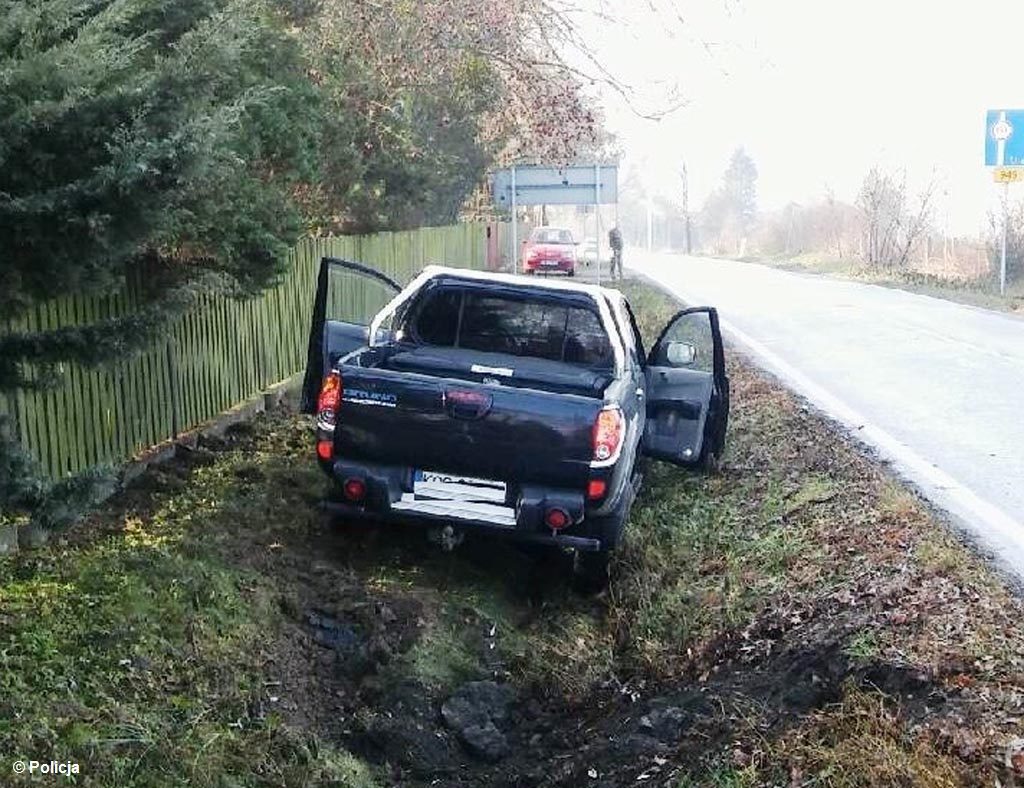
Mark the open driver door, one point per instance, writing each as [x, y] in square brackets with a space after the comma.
[348, 295]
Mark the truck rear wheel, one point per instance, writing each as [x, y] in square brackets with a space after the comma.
[590, 571]
[590, 568]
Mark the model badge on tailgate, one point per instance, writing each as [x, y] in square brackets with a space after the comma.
[381, 399]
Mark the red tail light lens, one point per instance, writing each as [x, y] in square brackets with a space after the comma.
[556, 519]
[329, 399]
[596, 488]
[327, 415]
[608, 434]
[355, 489]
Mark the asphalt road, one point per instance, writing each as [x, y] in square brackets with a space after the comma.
[936, 387]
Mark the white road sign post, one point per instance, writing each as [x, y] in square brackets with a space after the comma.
[1004, 151]
[1001, 133]
[515, 226]
[597, 213]
[1006, 223]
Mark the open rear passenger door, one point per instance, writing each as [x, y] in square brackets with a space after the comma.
[348, 295]
[687, 391]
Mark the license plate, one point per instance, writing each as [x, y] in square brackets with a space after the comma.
[550, 262]
[452, 487]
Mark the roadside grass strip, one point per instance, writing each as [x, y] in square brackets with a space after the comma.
[799, 618]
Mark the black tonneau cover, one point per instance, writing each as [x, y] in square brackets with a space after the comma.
[506, 369]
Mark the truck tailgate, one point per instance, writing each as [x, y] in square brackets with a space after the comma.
[487, 431]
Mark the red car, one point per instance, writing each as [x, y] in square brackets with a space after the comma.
[549, 250]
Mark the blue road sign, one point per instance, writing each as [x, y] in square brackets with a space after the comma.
[1004, 138]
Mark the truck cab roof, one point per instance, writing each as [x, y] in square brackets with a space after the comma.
[432, 271]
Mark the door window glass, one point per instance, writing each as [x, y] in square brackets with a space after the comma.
[353, 297]
[689, 343]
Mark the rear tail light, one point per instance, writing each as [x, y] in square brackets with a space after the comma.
[596, 488]
[327, 415]
[608, 435]
[354, 489]
[556, 519]
[328, 401]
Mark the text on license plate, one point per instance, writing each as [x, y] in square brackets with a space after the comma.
[447, 486]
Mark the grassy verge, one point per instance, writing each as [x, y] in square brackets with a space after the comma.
[135, 646]
[801, 613]
[804, 551]
[980, 293]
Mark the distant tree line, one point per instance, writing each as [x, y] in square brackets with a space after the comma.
[888, 225]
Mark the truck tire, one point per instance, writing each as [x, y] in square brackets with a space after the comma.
[710, 463]
[590, 571]
[590, 568]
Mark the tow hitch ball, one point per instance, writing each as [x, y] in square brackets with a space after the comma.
[447, 537]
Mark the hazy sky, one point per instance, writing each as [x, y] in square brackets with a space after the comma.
[817, 91]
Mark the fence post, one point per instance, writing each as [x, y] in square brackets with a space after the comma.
[172, 376]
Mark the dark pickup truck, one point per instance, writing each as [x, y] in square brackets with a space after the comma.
[510, 406]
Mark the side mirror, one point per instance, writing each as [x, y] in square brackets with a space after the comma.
[680, 354]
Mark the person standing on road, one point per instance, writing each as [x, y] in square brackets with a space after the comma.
[615, 242]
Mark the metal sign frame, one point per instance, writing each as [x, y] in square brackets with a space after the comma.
[580, 184]
[571, 185]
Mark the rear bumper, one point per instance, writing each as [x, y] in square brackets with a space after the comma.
[563, 267]
[389, 491]
[587, 544]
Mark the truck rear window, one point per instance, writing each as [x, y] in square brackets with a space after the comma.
[520, 327]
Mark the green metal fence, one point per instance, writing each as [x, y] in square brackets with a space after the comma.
[221, 354]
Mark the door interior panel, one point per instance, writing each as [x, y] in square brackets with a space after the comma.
[340, 339]
[682, 397]
[677, 409]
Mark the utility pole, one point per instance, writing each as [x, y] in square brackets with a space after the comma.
[686, 208]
